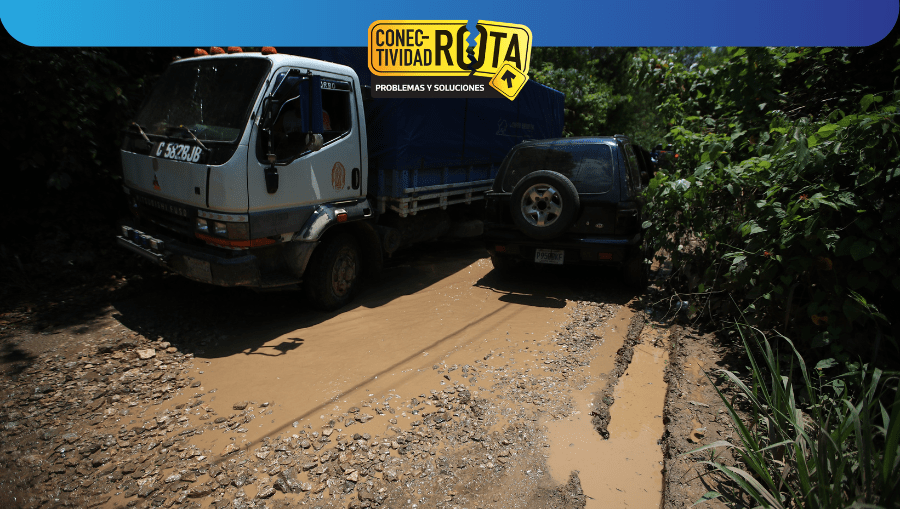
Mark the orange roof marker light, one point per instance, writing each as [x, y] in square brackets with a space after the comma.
[235, 49]
[215, 50]
[268, 50]
[200, 52]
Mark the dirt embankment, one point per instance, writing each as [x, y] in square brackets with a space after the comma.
[695, 416]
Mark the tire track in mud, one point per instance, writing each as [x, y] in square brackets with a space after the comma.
[623, 466]
[605, 399]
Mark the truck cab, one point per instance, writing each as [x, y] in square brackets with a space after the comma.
[239, 167]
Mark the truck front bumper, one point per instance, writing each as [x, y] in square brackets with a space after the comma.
[202, 264]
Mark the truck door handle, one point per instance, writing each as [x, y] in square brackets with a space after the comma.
[354, 178]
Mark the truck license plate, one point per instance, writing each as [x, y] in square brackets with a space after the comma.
[551, 256]
[178, 151]
[198, 269]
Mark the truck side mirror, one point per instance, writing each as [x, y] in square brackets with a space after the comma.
[307, 91]
[300, 95]
[271, 107]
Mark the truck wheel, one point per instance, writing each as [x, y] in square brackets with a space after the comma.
[333, 273]
[544, 204]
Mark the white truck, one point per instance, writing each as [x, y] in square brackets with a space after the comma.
[276, 171]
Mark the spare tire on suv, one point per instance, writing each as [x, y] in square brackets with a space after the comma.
[544, 204]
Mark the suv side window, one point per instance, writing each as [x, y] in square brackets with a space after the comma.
[634, 170]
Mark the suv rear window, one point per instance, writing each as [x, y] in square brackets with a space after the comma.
[588, 165]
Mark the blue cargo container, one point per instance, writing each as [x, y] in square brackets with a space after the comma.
[423, 149]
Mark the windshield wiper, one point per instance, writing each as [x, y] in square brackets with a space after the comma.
[142, 133]
[193, 136]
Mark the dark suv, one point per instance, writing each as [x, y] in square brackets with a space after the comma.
[570, 201]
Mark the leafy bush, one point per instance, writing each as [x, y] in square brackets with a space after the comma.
[588, 101]
[795, 216]
[65, 109]
[600, 100]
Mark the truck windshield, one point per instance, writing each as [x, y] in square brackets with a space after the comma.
[210, 97]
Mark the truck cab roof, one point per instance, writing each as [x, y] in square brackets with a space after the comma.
[283, 60]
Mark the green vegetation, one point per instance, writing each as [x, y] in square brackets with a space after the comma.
[783, 211]
[600, 96]
[793, 212]
[65, 109]
[818, 442]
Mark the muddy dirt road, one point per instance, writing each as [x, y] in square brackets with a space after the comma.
[443, 385]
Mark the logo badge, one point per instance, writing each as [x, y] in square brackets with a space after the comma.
[509, 80]
[452, 58]
[338, 176]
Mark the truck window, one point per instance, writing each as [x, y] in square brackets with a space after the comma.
[335, 109]
[212, 98]
[290, 140]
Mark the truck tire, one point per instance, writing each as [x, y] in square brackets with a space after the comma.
[333, 273]
[544, 204]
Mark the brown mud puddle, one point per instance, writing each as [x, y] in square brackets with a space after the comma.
[626, 469]
[367, 357]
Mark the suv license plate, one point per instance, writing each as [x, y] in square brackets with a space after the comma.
[550, 256]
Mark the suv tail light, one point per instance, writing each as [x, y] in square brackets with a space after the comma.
[627, 217]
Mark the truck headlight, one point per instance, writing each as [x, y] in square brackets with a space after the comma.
[209, 229]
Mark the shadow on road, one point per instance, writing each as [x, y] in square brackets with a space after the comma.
[14, 360]
[550, 286]
[214, 322]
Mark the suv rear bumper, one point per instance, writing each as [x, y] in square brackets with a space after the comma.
[593, 250]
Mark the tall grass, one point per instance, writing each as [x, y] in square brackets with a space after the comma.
[812, 442]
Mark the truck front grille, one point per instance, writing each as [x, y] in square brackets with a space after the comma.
[169, 215]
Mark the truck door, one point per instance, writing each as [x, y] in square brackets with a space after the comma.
[306, 177]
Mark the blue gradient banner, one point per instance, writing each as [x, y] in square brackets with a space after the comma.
[561, 23]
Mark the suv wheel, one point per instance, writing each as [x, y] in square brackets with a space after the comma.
[544, 204]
